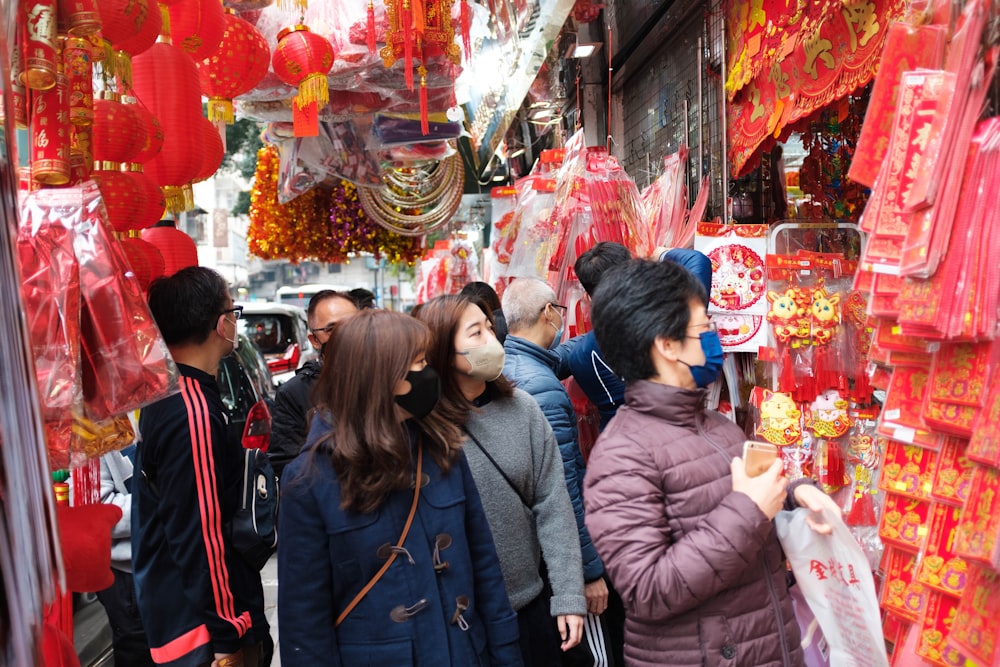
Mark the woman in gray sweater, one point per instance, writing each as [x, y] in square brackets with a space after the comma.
[518, 470]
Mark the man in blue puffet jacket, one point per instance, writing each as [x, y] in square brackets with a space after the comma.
[201, 603]
[581, 356]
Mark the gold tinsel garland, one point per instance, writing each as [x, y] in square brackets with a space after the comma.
[323, 224]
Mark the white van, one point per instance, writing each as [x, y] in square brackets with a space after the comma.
[299, 295]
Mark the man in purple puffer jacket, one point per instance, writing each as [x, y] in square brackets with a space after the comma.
[685, 535]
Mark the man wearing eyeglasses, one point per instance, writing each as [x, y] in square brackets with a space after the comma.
[292, 403]
[201, 603]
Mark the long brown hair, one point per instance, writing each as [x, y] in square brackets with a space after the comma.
[442, 315]
[370, 449]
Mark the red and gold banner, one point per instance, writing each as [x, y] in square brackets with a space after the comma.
[779, 75]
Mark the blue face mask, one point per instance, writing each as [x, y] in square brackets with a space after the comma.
[708, 373]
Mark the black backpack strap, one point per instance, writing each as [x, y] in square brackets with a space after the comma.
[497, 466]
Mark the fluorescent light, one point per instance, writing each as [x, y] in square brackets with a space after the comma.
[584, 49]
[500, 177]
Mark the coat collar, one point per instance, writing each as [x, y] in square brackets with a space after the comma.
[522, 346]
[673, 405]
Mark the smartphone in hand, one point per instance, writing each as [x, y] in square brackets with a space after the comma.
[758, 456]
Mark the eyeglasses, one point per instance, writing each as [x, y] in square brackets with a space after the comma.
[710, 325]
[328, 329]
[562, 309]
[237, 312]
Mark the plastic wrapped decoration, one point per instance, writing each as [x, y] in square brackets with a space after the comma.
[463, 265]
[337, 151]
[665, 199]
[50, 292]
[125, 363]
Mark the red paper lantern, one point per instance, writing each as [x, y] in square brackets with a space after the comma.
[178, 249]
[197, 26]
[117, 134]
[122, 19]
[165, 81]
[146, 36]
[152, 133]
[235, 68]
[153, 201]
[144, 258]
[122, 198]
[302, 58]
[212, 150]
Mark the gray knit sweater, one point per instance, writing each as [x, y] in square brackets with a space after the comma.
[520, 440]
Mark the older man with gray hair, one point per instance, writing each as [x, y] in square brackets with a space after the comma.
[535, 325]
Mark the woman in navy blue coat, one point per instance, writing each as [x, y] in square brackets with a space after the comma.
[345, 501]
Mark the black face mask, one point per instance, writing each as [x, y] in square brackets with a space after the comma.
[425, 391]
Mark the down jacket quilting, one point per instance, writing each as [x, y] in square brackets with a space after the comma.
[699, 566]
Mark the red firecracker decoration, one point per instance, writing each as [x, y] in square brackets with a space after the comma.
[50, 134]
[117, 134]
[166, 83]
[79, 80]
[40, 64]
[302, 58]
[178, 249]
[370, 34]
[19, 94]
[79, 18]
[196, 26]
[239, 64]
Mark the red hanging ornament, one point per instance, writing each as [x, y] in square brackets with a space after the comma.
[166, 83]
[197, 26]
[212, 150]
[121, 196]
[151, 196]
[79, 18]
[465, 21]
[19, 94]
[178, 249]
[152, 135]
[143, 38]
[424, 120]
[117, 134]
[50, 134]
[79, 80]
[418, 25]
[122, 19]
[302, 58]
[239, 63]
[370, 35]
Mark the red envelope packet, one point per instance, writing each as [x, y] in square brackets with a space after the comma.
[908, 470]
[904, 521]
[980, 525]
[984, 446]
[976, 629]
[934, 629]
[907, 47]
[940, 568]
[953, 476]
[901, 594]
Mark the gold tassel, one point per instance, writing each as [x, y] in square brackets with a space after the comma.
[123, 68]
[175, 198]
[295, 6]
[188, 192]
[165, 22]
[219, 108]
[313, 88]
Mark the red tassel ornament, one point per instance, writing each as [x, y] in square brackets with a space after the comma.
[465, 19]
[424, 121]
[371, 27]
[407, 19]
[862, 510]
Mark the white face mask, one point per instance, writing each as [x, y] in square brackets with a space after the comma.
[235, 340]
[486, 360]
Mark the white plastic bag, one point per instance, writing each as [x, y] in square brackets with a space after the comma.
[834, 576]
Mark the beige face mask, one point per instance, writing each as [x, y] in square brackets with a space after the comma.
[486, 360]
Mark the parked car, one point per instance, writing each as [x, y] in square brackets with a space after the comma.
[247, 392]
[281, 333]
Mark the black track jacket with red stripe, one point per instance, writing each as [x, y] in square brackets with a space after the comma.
[196, 595]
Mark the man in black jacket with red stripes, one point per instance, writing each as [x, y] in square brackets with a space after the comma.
[201, 604]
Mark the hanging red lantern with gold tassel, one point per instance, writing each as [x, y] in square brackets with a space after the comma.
[177, 248]
[302, 58]
[212, 150]
[165, 81]
[238, 64]
[117, 134]
[419, 29]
